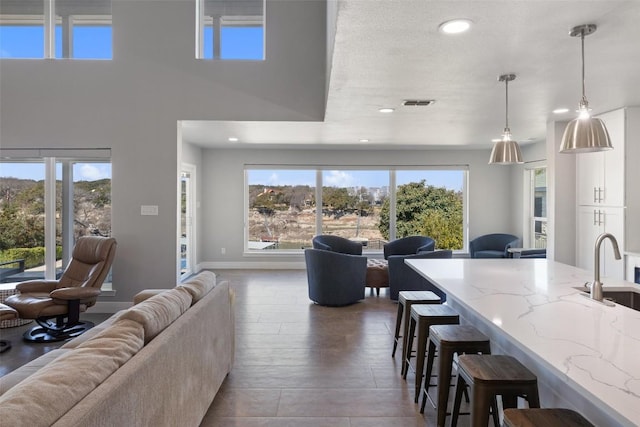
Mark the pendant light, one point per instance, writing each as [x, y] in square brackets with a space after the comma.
[506, 151]
[585, 133]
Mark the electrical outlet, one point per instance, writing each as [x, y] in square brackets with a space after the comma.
[223, 251]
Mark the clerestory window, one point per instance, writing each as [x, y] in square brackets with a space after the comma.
[31, 29]
[230, 29]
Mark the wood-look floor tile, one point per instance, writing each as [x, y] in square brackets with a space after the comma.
[330, 366]
[245, 402]
[277, 422]
[364, 402]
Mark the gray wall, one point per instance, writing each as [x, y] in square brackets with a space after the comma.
[132, 104]
[490, 187]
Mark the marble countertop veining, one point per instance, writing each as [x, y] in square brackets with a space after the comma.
[593, 348]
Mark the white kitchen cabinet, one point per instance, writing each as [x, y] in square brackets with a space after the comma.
[601, 175]
[593, 221]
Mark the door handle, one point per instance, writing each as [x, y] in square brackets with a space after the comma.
[595, 221]
[595, 195]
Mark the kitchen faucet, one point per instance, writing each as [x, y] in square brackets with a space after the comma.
[596, 286]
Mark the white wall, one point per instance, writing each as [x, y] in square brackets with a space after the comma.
[562, 204]
[223, 196]
[132, 103]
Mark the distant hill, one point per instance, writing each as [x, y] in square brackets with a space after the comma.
[22, 210]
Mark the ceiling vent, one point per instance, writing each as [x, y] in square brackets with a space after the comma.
[418, 102]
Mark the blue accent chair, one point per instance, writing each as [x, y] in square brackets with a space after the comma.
[409, 246]
[404, 278]
[493, 245]
[334, 278]
[339, 244]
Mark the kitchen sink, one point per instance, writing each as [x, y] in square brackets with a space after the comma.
[628, 298]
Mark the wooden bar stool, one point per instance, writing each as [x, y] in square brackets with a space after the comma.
[548, 417]
[489, 376]
[423, 316]
[405, 300]
[449, 340]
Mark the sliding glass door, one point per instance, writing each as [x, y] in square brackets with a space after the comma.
[47, 203]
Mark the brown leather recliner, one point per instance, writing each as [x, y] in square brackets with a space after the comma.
[64, 299]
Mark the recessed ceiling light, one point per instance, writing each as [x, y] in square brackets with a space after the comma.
[455, 26]
[560, 110]
[364, 140]
[386, 110]
[233, 139]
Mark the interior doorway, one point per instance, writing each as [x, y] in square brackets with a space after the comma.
[187, 220]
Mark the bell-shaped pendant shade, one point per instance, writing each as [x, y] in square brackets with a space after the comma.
[586, 133]
[583, 135]
[506, 153]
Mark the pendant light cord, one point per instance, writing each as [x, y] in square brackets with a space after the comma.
[584, 96]
[506, 110]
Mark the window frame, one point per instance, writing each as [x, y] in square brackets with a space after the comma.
[217, 24]
[529, 219]
[50, 21]
[50, 158]
[319, 170]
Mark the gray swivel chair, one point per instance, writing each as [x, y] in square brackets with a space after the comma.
[493, 245]
[335, 278]
[339, 244]
[409, 246]
[404, 278]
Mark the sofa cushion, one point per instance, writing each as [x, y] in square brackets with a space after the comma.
[14, 377]
[93, 331]
[61, 384]
[159, 311]
[200, 285]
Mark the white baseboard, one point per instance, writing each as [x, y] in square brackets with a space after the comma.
[252, 265]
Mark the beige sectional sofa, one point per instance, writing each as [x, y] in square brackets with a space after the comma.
[158, 363]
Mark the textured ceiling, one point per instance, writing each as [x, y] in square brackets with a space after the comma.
[387, 51]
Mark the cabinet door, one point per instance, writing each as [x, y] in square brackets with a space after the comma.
[600, 175]
[612, 193]
[590, 226]
[590, 175]
[613, 219]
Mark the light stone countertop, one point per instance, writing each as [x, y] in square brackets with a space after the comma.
[586, 354]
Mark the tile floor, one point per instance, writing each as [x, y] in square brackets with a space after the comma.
[297, 363]
[300, 364]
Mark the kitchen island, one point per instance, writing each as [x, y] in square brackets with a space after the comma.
[586, 354]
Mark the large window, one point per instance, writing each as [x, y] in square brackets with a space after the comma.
[46, 204]
[230, 29]
[285, 209]
[55, 29]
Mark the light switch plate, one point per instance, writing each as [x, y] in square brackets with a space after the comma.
[149, 210]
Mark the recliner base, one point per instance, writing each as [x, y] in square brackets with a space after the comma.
[43, 334]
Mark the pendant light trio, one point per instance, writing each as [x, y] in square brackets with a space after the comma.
[583, 134]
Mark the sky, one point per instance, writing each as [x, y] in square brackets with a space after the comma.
[95, 42]
[450, 179]
[35, 171]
